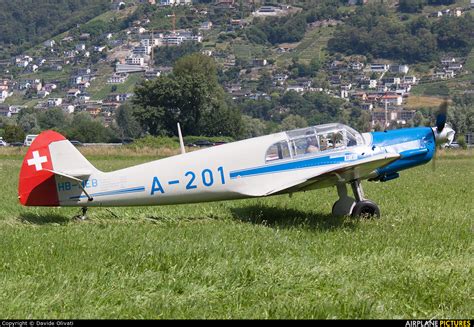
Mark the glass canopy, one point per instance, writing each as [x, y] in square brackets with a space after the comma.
[314, 139]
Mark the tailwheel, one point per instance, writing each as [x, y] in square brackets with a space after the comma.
[366, 209]
[82, 216]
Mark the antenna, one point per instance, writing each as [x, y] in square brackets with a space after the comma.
[181, 143]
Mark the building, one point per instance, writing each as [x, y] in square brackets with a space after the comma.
[409, 80]
[5, 111]
[152, 73]
[379, 68]
[80, 47]
[142, 50]
[49, 43]
[268, 11]
[448, 61]
[73, 93]
[206, 26]
[117, 78]
[399, 69]
[259, 62]
[4, 95]
[135, 60]
[175, 2]
[389, 81]
[392, 99]
[124, 68]
[54, 102]
[406, 115]
[132, 64]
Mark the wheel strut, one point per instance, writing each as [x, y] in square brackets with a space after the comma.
[83, 215]
[357, 190]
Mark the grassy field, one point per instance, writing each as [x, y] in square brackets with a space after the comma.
[276, 257]
[415, 102]
[313, 45]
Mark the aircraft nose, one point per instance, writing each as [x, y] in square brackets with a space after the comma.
[445, 136]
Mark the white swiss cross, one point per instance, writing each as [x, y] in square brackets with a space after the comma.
[37, 160]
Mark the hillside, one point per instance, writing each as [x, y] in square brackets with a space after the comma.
[281, 67]
[21, 27]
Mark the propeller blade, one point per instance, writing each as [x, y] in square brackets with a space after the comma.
[441, 116]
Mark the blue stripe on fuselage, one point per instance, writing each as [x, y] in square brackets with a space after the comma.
[292, 165]
[114, 192]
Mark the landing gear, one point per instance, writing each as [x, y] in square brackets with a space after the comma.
[82, 216]
[345, 204]
[366, 209]
[360, 207]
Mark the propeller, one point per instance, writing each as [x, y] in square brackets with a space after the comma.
[441, 116]
[444, 134]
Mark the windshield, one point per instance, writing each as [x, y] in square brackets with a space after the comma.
[314, 139]
[323, 137]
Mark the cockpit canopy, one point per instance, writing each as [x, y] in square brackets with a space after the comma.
[314, 139]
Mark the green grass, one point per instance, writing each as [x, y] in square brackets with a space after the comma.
[275, 257]
[100, 89]
[454, 86]
[469, 65]
[51, 75]
[313, 45]
[248, 51]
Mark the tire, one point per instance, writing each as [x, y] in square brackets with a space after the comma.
[343, 207]
[366, 209]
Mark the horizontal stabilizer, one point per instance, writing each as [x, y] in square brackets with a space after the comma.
[77, 175]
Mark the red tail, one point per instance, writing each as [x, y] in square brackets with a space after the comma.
[37, 186]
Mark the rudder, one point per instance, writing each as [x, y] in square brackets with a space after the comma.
[50, 152]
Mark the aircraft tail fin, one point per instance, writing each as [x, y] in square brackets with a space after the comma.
[50, 154]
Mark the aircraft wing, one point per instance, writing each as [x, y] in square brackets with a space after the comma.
[340, 174]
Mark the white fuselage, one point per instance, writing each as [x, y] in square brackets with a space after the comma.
[229, 171]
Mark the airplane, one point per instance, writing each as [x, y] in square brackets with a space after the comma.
[55, 173]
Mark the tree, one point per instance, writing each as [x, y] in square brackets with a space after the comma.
[52, 118]
[127, 124]
[410, 6]
[86, 129]
[154, 100]
[265, 83]
[28, 122]
[191, 96]
[13, 133]
[293, 122]
[252, 127]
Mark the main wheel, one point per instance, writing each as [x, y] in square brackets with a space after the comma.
[343, 207]
[366, 209]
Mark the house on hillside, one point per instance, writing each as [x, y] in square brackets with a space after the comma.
[54, 102]
[379, 68]
[49, 43]
[448, 61]
[399, 69]
[392, 99]
[73, 93]
[117, 78]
